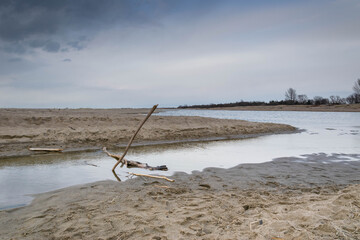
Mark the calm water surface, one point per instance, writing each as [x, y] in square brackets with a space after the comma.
[324, 133]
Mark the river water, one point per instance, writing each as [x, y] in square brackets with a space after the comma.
[323, 132]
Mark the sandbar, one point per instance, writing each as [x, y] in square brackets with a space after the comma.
[83, 129]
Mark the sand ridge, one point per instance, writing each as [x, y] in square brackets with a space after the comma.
[79, 129]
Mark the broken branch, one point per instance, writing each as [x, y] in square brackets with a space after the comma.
[151, 176]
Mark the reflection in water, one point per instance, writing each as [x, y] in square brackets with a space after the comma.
[71, 157]
[23, 176]
[44, 159]
[116, 176]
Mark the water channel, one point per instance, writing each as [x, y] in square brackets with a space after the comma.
[324, 132]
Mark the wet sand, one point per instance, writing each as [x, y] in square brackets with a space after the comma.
[303, 108]
[313, 197]
[82, 129]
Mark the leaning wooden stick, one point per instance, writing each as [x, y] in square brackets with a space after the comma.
[134, 164]
[133, 137]
[151, 176]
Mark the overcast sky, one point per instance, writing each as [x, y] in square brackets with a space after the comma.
[110, 53]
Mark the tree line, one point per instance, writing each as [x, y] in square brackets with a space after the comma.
[292, 98]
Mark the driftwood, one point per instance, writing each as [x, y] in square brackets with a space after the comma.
[134, 164]
[151, 176]
[46, 149]
[162, 186]
[121, 158]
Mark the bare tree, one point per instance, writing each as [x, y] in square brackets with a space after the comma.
[335, 100]
[290, 95]
[317, 100]
[351, 99]
[356, 95]
[320, 100]
[356, 87]
[302, 98]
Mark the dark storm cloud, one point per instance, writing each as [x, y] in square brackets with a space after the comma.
[23, 19]
[71, 23]
[31, 23]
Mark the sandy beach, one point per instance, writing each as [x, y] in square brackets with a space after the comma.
[313, 197]
[288, 198]
[82, 129]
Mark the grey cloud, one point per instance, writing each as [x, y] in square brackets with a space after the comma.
[36, 43]
[13, 48]
[46, 45]
[28, 24]
[15, 59]
[12, 67]
[51, 46]
[31, 22]
[83, 38]
[222, 55]
[23, 19]
[80, 43]
[76, 45]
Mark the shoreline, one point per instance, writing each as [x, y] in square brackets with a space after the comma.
[301, 108]
[286, 198]
[154, 143]
[92, 129]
